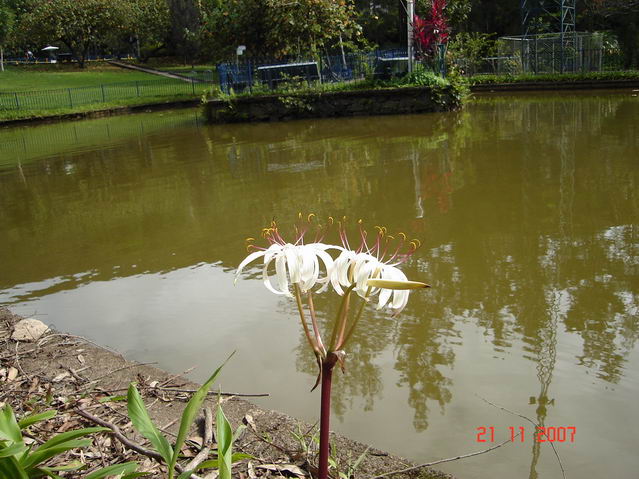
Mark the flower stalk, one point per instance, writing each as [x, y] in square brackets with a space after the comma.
[325, 413]
[368, 271]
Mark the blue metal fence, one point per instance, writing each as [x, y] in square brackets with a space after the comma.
[382, 64]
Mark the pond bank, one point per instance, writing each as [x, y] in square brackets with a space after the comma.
[74, 373]
[329, 104]
[117, 110]
[555, 85]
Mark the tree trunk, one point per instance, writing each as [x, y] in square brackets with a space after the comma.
[1, 59]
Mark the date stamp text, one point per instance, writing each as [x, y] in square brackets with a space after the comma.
[522, 434]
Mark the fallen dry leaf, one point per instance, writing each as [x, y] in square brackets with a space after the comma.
[61, 377]
[251, 471]
[12, 374]
[291, 468]
[248, 420]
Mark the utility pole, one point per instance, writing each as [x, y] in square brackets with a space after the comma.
[410, 12]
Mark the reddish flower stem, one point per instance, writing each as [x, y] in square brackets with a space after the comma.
[325, 414]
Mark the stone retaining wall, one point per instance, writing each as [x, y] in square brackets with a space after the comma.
[332, 104]
[556, 85]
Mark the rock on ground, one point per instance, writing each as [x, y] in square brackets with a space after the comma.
[29, 330]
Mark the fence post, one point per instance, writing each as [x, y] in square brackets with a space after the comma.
[137, 87]
[103, 95]
[70, 98]
[17, 101]
[193, 85]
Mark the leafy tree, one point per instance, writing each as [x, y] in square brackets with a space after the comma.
[150, 26]
[185, 19]
[383, 22]
[498, 16]
[457, 12]
[622, 17]
[467, 50]
[6, 25]
[309, 25]
[78, 24]
[279, 28]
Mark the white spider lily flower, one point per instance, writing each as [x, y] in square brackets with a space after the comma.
[363, 270]
[294, 264]
[350, 268]
[370, 274]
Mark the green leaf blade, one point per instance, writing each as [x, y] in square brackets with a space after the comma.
[114, 470]
[191, 410]
[34, 418]
[9, 428]
[42, 454]
[71, 435]
[12, 450]
[224, 439]
[10, 468]
[142, 423]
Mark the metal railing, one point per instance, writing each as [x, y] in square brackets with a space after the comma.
[73, 97]
[543, 62]
[272, 74]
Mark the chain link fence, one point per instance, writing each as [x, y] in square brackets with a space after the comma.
[547, 54]
[74, 97]
[550, 53]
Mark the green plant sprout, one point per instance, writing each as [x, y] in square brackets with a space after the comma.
[144, 425]
[21, 461]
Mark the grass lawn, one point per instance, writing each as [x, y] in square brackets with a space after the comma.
[41, 90]
[43, 113]
[32, 78]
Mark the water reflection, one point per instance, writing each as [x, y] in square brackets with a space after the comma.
[527, 206]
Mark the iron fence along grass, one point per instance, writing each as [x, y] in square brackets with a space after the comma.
[239, 76]
[73, 97]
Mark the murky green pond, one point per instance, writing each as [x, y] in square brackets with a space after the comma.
[128, 230]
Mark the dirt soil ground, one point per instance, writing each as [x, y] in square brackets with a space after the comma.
[69, 373]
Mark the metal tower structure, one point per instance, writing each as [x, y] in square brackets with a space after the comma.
[538, 17]
[534, 13]
[568, 35]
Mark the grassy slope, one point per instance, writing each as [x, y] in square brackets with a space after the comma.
[31, 79]
[38, 78]
[43, 113]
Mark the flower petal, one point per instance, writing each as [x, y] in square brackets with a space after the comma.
[250, 258]
[280, 273]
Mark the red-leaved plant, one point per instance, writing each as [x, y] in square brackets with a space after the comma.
[429, 32]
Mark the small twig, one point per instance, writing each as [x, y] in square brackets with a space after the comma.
[17, 361]
[127, 442]
[207, 440]
[561, 466]
[272, 444]
[128, 366]
[169, 424]
[450, 459]
[76, 375]
[46, 338]
[169, 389]
[175, 376]
[174, 390]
